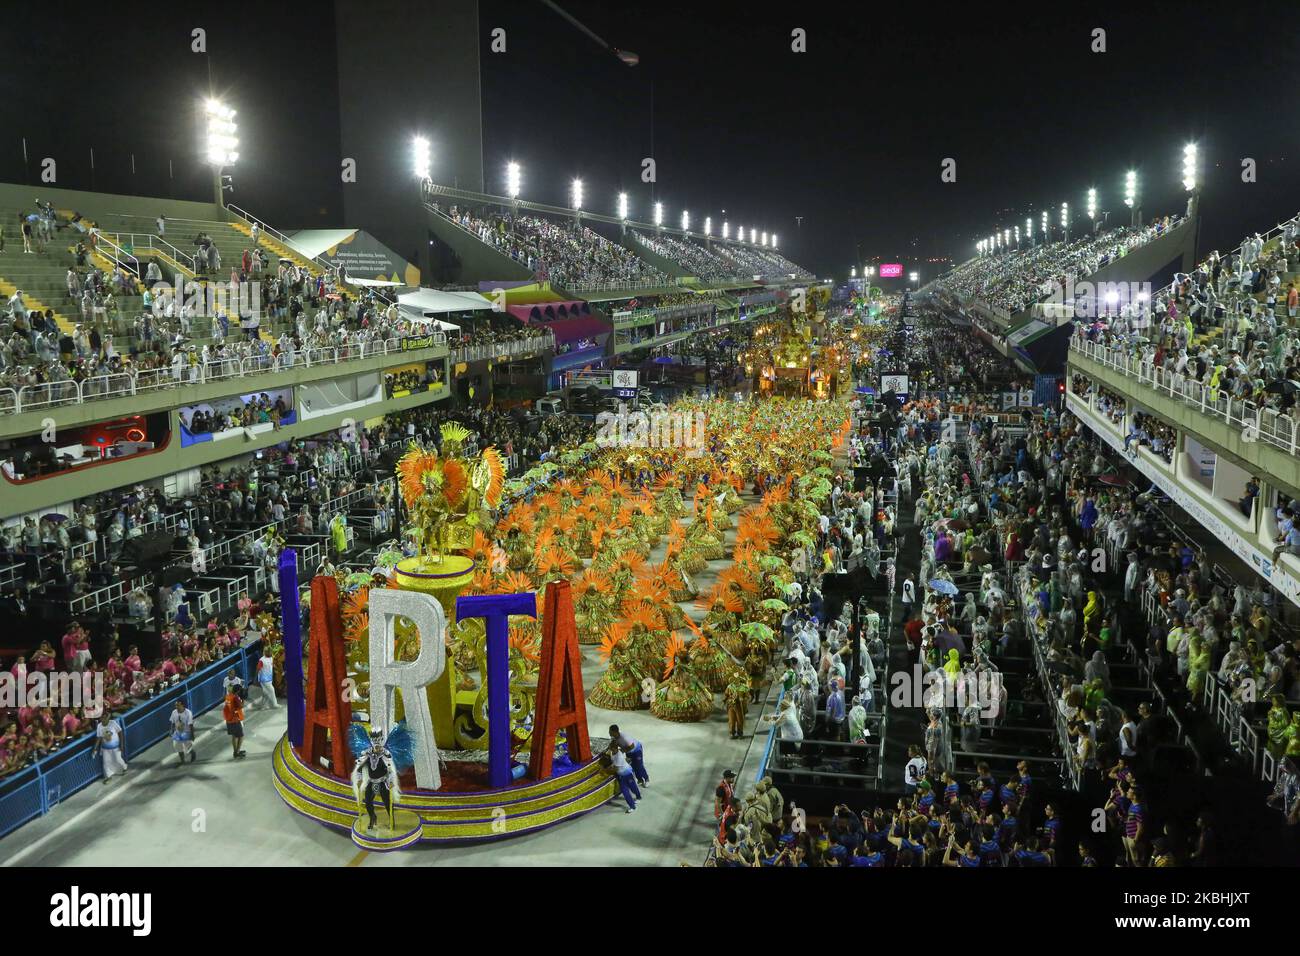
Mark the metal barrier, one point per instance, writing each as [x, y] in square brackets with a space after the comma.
[36, 790]
[1279, 430]
[50, 394]
[107, 596]
[503, 350]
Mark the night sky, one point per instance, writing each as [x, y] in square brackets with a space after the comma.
[849, 135]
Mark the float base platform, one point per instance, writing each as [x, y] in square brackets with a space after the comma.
[450, 817]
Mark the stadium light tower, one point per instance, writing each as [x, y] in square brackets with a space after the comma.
[1092, 204]
[740, 233]
[708, 226]
[221, 143]
[1016, 232]
[1065, 220]
[1190, 181]
[512, 180]
[853, 272]
[622, 206]
[1131, 196]
[1029, 229]
[1189, 167]
[764, 238]
[914, 277]
[753, 236]
[726, 229]
[421, 158]
[575, 195]
[686, 221]
[773, 240]
[1046, 225]
[1006, 237]
[659, 214]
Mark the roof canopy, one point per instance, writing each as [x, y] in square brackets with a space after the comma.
[429, 302]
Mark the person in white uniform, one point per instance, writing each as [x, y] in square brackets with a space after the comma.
[108, 742]
[182, 721]
[265, 680]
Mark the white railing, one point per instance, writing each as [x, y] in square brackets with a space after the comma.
[119, 257]
[514, 349]
[32, 397]
[279, 237]
[618, 285]
[1255, 422]
[157, 243]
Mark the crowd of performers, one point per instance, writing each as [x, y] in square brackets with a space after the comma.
[632, 529]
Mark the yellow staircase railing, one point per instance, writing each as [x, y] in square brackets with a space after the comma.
[7, 289]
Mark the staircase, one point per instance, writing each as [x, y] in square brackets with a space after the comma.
[41, 276]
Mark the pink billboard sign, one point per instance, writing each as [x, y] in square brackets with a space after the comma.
[891, 270]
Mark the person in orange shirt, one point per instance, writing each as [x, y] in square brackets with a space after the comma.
[1292, 299]
[233, 712]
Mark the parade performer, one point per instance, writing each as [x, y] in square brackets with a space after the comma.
[736, 696]
[378, 762]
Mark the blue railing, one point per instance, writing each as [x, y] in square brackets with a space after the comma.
[771, 739]
[36, 790]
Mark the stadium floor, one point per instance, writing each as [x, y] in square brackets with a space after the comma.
[147, 816]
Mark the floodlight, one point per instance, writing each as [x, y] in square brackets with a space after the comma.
[421, 158]
[221, 129]
[1189, 166]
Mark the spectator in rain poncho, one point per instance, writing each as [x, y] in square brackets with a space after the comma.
[1232, 660]
[938, 742]
[1098, 669]
[857, 722]
[952, 666]
[1198, 666]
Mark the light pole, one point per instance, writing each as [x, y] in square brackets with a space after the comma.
[1131, 197]
[575, 199]
[222, 145]
[1190, 182]
[1193, 186]
[513, 177]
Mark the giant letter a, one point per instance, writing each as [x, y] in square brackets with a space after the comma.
[325, 725]
[561, 705]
